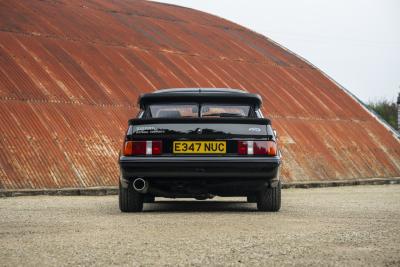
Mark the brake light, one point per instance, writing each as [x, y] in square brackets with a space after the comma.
[261, 148]
[266, 148]
[242, 148]
[132, 148]
[156, 148]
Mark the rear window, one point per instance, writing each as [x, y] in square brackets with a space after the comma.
[220, 110]
[192, 110]
[174, 110]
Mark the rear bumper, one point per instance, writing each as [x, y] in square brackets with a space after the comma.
[191, 167]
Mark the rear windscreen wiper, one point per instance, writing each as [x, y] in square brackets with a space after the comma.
[223, 114]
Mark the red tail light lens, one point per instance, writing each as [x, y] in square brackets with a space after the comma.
[132, 148]
[156, 147]
[260, 148]
[266, 148]
[139, 147]
[242, 148]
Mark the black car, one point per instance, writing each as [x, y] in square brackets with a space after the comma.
[199, 143]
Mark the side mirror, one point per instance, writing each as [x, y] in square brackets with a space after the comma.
[275, 134]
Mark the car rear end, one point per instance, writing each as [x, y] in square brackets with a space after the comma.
[179, 151]
[215, 151]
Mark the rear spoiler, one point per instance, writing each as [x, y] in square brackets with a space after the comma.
[262, 121]
[212, 96]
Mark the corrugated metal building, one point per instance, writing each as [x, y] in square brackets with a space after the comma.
[71, 71]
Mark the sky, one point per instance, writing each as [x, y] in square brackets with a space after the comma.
[356, 42]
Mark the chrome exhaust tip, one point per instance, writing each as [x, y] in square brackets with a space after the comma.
[140, 185]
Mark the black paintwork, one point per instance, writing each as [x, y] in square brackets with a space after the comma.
[174, 175]
[205, 95]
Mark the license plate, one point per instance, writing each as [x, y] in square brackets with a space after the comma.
[199, 147]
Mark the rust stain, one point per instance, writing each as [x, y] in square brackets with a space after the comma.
[71, 71]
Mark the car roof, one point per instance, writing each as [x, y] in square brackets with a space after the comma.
[220, 95]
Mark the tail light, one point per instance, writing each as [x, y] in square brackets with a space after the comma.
[156, 148]
[132, 148]
[242, 148]
[266, 148]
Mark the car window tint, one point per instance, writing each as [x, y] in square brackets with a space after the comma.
[223, 110]
[173, 110]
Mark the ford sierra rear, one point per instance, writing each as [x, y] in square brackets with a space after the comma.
[199, 143]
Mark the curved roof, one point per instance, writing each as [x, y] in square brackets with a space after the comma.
[71, 73]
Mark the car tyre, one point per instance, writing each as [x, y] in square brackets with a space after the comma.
[269, 199]
[129, 199]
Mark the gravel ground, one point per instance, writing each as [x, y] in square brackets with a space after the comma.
[327, 226]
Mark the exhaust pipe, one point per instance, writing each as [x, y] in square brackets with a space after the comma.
[140, 185]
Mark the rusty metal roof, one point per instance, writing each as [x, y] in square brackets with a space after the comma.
[71, 72]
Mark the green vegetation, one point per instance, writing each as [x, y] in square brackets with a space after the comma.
[386, 109]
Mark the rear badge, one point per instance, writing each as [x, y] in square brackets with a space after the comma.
[148, 130]
[254, 130]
